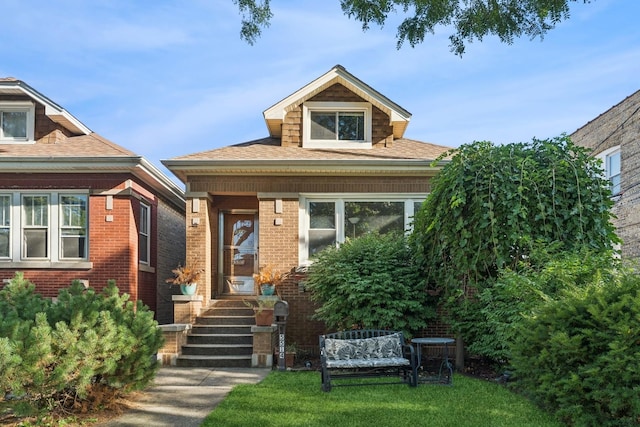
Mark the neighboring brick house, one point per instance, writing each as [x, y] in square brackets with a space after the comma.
[335, 164]
[74, 205]
[614, 137]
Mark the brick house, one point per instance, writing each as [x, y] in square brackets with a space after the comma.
[74, 205]
[335, 164]
[614, 137]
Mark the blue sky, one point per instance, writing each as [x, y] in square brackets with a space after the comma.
[165, 78]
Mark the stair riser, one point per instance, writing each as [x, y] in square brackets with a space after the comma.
[221, 320]
[229, 311]
[231, 339]
[223, 351]
[205, 363]
[228, 330]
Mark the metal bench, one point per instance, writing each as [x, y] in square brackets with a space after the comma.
[366, 353]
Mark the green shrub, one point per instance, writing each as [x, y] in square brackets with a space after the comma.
[499, 308]
[81, 340]
[370, 282]
[578, 355]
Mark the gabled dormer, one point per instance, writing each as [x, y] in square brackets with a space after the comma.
[27, 116]
[336, 111]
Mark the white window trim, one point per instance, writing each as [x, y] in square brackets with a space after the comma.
[27, 107]
[52, 217]
[308, 107]
[604, 156]
[62, 226]
[409, 200]
[16, 257]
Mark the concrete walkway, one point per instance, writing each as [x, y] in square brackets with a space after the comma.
[183, 397]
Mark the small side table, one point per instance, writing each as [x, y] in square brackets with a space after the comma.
[445, 372]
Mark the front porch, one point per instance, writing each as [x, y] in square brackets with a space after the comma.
[223, 334]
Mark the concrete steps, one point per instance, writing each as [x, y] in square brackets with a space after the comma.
[221, 337]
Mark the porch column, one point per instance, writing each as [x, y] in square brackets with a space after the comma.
[199, 225]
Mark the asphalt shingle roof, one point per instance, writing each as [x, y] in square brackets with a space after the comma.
[269, 149]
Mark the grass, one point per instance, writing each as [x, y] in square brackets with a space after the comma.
[295, 399]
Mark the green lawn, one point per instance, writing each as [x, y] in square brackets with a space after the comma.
[295, 399]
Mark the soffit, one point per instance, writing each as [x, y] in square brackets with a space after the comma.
[11, 86]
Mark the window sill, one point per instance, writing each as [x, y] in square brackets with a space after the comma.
[28, 265]
[146, 268]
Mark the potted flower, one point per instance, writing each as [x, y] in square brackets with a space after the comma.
[267, 279]
[263, 310]
[186, 277]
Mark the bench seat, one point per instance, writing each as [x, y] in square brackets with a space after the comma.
[366, 353]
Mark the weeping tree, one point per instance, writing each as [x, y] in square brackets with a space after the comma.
[493, 206]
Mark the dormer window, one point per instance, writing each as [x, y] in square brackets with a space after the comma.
[337, 125]
[16, 122]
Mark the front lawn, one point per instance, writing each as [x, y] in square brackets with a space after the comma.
[295, 399]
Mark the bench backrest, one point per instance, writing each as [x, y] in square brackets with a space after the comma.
[361, 344]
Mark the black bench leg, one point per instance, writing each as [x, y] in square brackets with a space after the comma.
[326, 379]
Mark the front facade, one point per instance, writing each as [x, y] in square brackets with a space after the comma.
[335, 165]
[614, 137]
[74, 205]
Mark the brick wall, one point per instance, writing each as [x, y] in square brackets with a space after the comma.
[114, 213]
[620, 126]
[309, 184]
[171, 252]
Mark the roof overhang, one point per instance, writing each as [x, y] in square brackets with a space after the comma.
[55, 112]
[137, 166]
[274, 115]
[185, 168]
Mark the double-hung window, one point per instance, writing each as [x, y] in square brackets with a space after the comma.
[35, 226]
[336, 125]
[613, 171]
[43, 227]
[16, 122]
[144, 240]
[73, 226]
[329, 220]
[5, 226]
[611, 160]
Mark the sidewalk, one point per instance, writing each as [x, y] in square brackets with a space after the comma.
[183, 397]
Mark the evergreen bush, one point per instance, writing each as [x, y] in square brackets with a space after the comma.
[578, 355]
[498, 309]
[84, 339]
[370, 282]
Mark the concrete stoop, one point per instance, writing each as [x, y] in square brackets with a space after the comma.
[221, 337]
